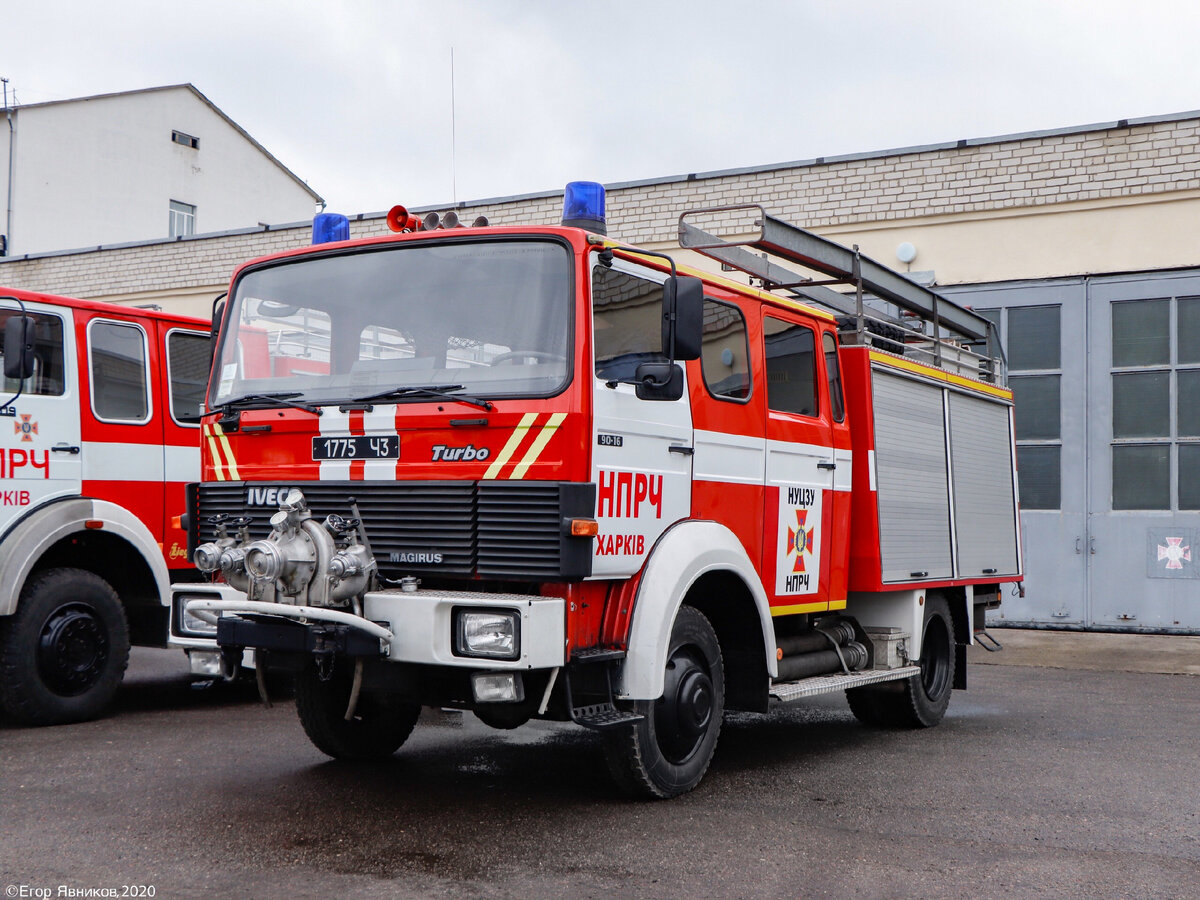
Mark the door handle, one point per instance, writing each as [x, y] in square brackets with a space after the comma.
[1092, 546]
[64, 448]
[680, 448]
[1078, 543]
[827, 465]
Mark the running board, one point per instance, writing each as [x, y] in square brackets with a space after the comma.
[786, 691]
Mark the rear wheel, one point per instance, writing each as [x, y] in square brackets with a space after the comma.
[667, 753]
[920, 701]
[64, 651]
[380, 725]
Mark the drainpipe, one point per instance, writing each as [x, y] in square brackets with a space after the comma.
[8, 113]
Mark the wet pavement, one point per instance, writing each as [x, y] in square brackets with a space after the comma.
[1041, 781]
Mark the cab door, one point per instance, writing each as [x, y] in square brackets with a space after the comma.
[39, 430]
[123, 416]
[642, 449]
[800, 466]
[188, 355]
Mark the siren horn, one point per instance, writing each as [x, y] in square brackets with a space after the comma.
[400, 219]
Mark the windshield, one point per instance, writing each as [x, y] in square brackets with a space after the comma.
[489, 318]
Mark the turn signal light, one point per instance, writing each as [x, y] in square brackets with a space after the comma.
[94, 524]
[584, 528]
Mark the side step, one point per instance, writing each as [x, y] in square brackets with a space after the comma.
[786, 691]
[605, 714]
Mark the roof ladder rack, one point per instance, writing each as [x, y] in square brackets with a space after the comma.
[779, 240]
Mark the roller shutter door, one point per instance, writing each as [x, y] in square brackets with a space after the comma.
[985, 519]
[912, 479]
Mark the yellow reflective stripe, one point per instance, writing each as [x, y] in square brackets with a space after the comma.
[818, 606]
[538, 445]
[514, 441]
[230, 461]
[214, 453]
[908, 365]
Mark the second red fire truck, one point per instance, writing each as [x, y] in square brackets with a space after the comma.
[98, 436]
[536, 472]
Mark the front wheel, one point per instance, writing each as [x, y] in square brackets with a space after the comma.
[380, 725]
[63, 652]
[920, 701]
[668, 751]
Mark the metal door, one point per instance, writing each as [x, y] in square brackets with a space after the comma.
[1144, 451]
[1043, 325]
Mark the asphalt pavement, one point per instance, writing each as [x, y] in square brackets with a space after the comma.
[1161, 654]
[1048, 778]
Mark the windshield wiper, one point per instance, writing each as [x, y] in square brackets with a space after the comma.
[441, 391]
[277, 398]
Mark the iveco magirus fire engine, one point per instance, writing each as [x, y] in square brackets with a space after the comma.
[535, 472]
[98, 437]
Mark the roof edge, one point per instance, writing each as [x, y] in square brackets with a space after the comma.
[196, 91]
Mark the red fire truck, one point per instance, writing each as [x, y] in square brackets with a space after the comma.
[94, 448]
[536, 472]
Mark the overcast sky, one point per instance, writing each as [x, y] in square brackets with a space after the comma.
[354, 96]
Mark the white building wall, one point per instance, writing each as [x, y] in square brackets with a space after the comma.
[103, 170]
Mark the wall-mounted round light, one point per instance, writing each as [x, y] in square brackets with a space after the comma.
[906, 252]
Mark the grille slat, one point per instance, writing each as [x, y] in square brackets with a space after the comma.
[482, 529]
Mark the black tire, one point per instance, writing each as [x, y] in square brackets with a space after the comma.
[667, 753]
[64, 651]
[381, 723]
[920, 701]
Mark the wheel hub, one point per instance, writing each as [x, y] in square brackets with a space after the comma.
[683, 716]
[72, 650]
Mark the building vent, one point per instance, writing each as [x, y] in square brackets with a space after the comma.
[186, 140]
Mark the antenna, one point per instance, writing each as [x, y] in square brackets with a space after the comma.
[453, 137]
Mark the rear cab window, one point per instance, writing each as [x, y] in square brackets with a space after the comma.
[118, 365]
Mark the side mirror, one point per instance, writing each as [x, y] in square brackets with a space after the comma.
[683, 317]
[18, 347]
[658, 381]
[217, 314]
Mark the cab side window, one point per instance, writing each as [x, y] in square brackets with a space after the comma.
[833, 374]
[48, 378]
[189, 357]
[725, 351]
[120, 382]
[627, 319]
[791, 367]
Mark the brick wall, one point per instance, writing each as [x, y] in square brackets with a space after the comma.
[1129, 160]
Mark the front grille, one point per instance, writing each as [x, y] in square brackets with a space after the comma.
[519, 529]
[487, 529]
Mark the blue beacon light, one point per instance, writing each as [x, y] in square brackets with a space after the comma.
[583, 206]
[330, 227]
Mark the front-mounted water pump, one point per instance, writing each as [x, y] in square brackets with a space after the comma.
[302, 562]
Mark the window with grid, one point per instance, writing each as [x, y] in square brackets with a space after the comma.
[1156, 404]
[1034, 345]
[183, 219]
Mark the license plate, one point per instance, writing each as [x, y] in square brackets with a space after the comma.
[356, 447]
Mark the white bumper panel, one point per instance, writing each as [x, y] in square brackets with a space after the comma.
[187, 591]
[423, 625]
[420, 622]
